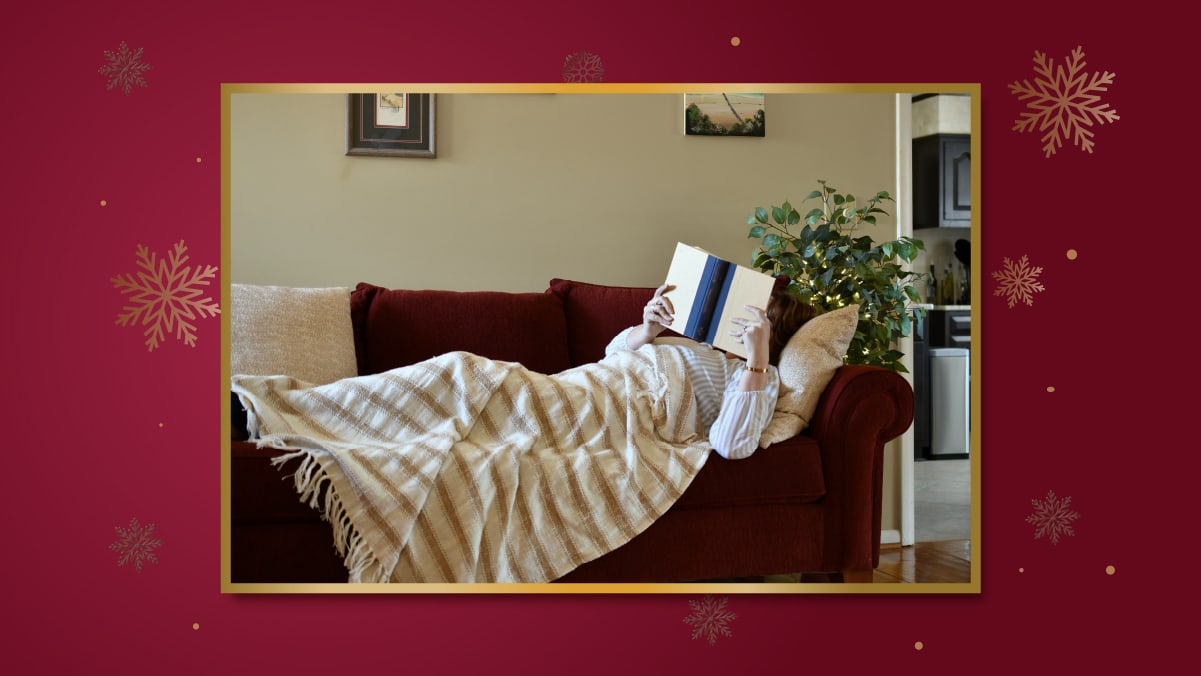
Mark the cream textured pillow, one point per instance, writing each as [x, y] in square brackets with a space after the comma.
[299, 332]
[807, 364]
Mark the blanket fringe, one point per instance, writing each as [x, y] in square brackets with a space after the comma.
[310, 479]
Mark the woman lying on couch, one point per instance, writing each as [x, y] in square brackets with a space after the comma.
[462, 468]
[735, 398]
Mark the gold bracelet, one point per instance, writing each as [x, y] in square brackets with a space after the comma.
[752, 369]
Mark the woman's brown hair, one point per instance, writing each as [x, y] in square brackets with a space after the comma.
[787, 314]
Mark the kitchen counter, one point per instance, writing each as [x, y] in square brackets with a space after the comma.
[930, 306]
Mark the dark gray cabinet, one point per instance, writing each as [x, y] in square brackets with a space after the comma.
[950, 328]
[942, 181]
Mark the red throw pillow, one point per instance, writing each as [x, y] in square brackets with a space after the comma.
[397, 327]
[596, 313]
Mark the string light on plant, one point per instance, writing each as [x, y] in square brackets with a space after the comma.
[839, 269]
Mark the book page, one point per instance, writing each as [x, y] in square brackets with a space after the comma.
[686, 273]
[748, 287]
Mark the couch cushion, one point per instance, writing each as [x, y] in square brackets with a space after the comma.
[305, 333]
[787, 473]
[397, 327]
[596, 313]
[807, 363]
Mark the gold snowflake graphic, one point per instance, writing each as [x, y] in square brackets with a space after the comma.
[1018, 281]
[583, 67]
[1063, 102]
[136, 544]
[166, 296]
[710, 618]
[1052, 518]
[124, 68]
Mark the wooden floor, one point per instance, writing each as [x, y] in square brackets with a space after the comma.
[949, 561]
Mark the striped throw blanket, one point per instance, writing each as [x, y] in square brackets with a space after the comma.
[465, 469]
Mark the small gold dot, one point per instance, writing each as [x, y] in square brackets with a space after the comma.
[1021, 570]
[160, 424]
[1050, 388]
[736, 41]
[195, 626]
[918, 646]
[1110, 570]
[197, 160]
[1071, 254]
[104, 203]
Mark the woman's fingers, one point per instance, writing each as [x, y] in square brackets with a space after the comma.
[659, 308]
[656, 312]
[757, 318]
[758, 312]
[752, 327]
[663, 300]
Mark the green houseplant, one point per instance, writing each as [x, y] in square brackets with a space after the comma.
[831, 267]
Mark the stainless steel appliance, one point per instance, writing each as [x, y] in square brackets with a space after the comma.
[950, 402]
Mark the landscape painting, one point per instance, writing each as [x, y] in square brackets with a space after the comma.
[724, 115]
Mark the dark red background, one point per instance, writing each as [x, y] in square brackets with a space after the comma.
[99, 430]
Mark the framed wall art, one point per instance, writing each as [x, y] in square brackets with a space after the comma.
[724, 115]
[391, 124]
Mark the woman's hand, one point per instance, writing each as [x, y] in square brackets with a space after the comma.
[755, 333]
[657, 315]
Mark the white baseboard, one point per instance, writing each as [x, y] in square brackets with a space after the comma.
[890, 537]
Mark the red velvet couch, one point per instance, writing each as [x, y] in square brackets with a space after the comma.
[808, 504]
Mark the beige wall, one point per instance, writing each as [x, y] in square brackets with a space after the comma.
[526, 187]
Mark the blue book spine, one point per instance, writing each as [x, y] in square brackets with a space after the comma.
[714, 313]
[708, 294]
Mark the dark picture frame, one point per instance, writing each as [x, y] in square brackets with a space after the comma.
[390, 124]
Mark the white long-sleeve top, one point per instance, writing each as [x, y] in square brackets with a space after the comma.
[735, 419]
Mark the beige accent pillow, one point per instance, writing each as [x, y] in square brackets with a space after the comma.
[807, 364]
[300, 332]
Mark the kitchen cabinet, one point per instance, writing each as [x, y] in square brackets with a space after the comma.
[942, 181]
[949, 328]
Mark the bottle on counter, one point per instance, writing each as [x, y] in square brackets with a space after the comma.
[948, 287]
[932, 287]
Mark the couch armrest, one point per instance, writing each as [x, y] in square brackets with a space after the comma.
[847, 389]
[861, 409]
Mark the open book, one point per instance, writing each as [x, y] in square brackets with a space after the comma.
[709, 291]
